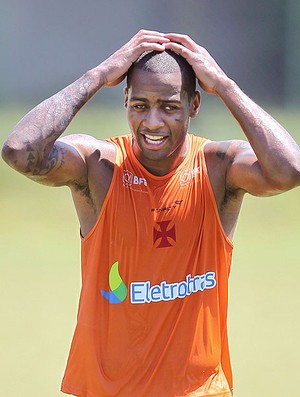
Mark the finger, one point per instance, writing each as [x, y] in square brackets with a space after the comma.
[152, 38]
[148, 42]
[153, 32]
[179, 49]
[151, 46]
[183, 39]
[147, 35]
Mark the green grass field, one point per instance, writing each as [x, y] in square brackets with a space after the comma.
[40, 273]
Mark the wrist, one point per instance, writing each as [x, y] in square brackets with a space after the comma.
[225, 87]
[98, 75]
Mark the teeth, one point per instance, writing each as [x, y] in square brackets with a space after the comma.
[154, 139]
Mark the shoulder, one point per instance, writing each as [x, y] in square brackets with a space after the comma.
[220, 157]
[88, 146]
[223, 150]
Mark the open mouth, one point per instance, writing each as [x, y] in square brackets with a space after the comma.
[154, 139]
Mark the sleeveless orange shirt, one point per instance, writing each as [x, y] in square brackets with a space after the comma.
[153, 305]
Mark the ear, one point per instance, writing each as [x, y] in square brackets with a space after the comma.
[125, 97]
[195, 104]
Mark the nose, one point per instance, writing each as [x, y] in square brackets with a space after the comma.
[153, 119]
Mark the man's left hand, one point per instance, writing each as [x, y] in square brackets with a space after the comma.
[209, 74]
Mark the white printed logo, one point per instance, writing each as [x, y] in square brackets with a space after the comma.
[143, 292]
[188, 176]
[129, 179]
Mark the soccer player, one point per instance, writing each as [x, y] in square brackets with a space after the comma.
[157, 210]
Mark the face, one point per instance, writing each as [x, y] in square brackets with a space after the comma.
[158, 114]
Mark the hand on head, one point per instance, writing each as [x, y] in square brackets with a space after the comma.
[208, 72]
[117, 65]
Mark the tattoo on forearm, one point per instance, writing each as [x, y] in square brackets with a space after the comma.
[30, 158]
[50, 120]
[63, 109]
[42, 165]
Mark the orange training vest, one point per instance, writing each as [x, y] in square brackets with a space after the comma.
[153, 305]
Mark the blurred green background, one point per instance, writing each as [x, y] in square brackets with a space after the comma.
[45, 46]
[40, 272]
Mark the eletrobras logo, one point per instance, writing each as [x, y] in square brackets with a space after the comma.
[144, 292]
[118, 288]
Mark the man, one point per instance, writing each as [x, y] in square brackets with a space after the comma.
[157, 211]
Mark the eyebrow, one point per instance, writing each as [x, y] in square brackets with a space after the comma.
[135, 98]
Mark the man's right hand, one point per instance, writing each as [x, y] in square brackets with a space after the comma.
[115, 67]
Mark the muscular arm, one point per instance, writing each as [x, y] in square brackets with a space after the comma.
[33, 147]
[270, 162]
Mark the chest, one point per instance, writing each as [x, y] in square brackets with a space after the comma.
[156, 214]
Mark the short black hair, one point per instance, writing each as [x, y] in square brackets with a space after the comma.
[166, 62]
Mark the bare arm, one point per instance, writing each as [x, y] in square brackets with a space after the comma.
[270, 163]
[33, 147]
